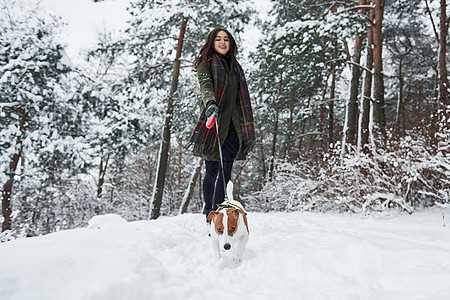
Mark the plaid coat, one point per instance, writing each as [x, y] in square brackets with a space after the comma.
[204, 141]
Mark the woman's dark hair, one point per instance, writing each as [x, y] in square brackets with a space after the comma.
[207, 51]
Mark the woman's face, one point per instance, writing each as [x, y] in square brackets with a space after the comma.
[222, 43]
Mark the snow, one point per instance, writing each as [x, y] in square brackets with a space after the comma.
[294, 27]
[106, 221]
[289, 256]
[252, 33]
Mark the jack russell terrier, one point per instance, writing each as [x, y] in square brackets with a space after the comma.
[229, 228]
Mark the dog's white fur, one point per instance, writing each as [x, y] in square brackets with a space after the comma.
[225, 241]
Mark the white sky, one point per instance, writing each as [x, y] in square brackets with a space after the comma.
[85, 19]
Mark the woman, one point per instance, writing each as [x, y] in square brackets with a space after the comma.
[224, 96]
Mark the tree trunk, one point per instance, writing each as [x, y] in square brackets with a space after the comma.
[101, 175]
[191, 187]
[444, 103]
[101, 180]
[238, 183]
[367, 94]
[332, 96]
[180, 156]
[261, 148]
[322, 111]
[7, 187]
[289, 151]
[354, 90]
[275, 129]
[378, 84]
[261, 152]
[300, 142]
[400, 114]
[158, 189]
[274, 143]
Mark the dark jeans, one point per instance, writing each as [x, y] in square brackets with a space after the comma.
[213, 184]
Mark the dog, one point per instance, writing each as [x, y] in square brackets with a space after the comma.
[229, 228]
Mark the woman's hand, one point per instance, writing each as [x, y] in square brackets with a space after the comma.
[211, 110]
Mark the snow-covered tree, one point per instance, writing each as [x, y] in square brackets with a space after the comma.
[298, 62]
[40, 128]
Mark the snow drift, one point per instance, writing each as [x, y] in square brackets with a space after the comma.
[289, 256]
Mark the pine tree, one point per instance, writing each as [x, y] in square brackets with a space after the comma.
[410, 52]
[37, 123]
[295, 61]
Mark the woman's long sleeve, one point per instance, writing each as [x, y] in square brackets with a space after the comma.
[206, 83]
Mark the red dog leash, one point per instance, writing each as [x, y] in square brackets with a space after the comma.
[209, 124]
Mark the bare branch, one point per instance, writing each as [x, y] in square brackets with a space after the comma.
[432, 21]
[360, 66]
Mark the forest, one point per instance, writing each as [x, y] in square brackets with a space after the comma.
[350, 98]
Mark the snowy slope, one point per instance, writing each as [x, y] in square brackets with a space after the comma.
[289, 256]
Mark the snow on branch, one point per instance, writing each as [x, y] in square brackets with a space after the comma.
[360, 66]
[362, 7]
[294, 26]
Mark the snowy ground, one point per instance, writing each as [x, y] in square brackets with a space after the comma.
[289, 256]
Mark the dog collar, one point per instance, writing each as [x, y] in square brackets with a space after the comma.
[225, 204]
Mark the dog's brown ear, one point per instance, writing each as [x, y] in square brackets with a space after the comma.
[244, 215]
[211, 215]
[241, 212]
